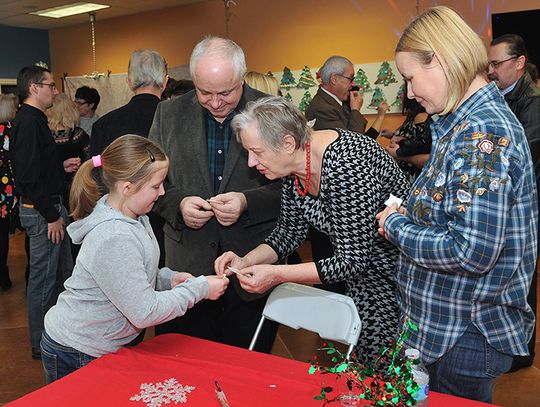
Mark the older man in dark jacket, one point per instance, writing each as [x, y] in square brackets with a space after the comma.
[508, 69]
[213, 202]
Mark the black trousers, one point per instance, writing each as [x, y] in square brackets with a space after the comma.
[4, 249]
[228, 320]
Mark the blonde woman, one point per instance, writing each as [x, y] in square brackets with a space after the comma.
[263, 82]
[468, 234]
[72, 142]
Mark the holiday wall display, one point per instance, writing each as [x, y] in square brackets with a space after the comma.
[377, 81]
[306, 80]
[306, 100]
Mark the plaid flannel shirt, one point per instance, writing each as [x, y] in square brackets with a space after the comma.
[468, 241]
[219, 136]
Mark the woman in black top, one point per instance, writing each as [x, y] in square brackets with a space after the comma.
[8, 199]
[410, 145]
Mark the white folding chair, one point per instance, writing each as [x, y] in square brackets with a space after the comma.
[333, 316]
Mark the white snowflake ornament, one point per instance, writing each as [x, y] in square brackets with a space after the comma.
[156, 394]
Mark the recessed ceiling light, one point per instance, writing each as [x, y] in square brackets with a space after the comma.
[69, 10]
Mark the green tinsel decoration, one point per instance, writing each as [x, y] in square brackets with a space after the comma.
[379, 385]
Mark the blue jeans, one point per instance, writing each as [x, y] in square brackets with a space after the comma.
[59, 361]
[470, 368]
[50, 265]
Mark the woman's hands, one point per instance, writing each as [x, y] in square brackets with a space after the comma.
[259, 278]
[254, 279]
[381, 217]
[229, 259]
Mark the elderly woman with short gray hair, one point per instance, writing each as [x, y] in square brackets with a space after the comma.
[336, 181]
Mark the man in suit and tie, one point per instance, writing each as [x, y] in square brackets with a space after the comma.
[214, 202]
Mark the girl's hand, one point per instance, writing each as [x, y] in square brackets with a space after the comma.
[179, 278]
[216, 286]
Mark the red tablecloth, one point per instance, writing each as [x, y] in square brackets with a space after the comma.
[248, 378]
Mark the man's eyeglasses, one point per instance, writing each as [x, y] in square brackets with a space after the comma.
[80, 102]
[346, 77]
[52, 85]
[496, 64]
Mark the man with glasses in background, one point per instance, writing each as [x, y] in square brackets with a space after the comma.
[337, 105]
[39, 177]
[508, 69]
[87, 100]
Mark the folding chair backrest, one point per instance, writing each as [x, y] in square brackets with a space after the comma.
[333, 316]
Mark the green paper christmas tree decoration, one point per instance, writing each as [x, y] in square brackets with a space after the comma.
[287, 80]
[378, 97]
[385, 75]
[398, 101]
[362, 81]
[306, 100]
[306, 80]
[288, 97]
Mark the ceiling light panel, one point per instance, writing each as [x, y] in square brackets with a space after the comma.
[69, 10]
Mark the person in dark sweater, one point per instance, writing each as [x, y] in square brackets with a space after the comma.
[147, 77]
[39, 178]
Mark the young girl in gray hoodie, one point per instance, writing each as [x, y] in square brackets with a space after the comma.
[116, 289]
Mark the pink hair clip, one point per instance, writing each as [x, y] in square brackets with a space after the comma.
[96, 160]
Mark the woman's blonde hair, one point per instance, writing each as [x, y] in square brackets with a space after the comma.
[265, 83]
[8, 107]
[441, 33]
[63, 114]
[128, 158]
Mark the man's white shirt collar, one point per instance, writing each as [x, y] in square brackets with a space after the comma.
[509, 88]
[334, 96]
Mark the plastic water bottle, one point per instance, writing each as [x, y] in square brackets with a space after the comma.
[420, 375]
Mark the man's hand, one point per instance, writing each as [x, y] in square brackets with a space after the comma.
[356, 100]
[55, 231]
[228, 207]
[72, 164]
[195, 211]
